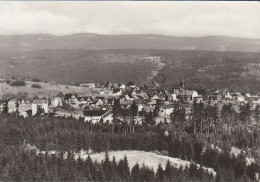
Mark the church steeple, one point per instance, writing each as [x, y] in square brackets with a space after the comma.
[182, 83]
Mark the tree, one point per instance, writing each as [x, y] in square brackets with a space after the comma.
[123, 168]
[60, 94]
[17, 105]
[18, 83]
[178, 117]
[157, 108]
[135, 173]
[228, 115]
[244, 115]
[257, 113]
[160, 173]
[133, 113]
[106, 167]
[36, 85]
[142, 114]
[197, 117]
[5, 109]
[168, 170]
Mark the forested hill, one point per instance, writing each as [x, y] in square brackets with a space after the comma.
[146, 41]
[237, 71]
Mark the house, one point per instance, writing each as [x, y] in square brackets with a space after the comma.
[130, 85]
[87, 84]
[166, 110]
[117, 92]
[108, 86]
[39, 104]
[254, 101]
[12, 105]
[56, 101]
[116, 86]
[227, 95]
[238, 96]
[71, 98]
[95, 116]
[101, 92]
[215, 96]
[168, 96]
[122, 86]
[148, 108]
[98, 101]
[2, 104]
[110, 101]
[151, 92]
[22, 102]
[199, 99]
[158, 97]
[140, 107]
[174, 96]
[82, 100]
[248, 95]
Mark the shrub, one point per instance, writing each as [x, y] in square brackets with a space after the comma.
[8, 96]
[22, 94]
[36, 80]
[36, 86]
[7, 81]
[60, 94]
[18, 83]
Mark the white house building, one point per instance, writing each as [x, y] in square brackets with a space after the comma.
[43, 104]
[87, 84]
[56, 101]
[95, 116]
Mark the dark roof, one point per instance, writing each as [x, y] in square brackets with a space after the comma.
[68, 96]
[116, 86]
[82, 98]
[176, 87]
[94, 112]
[102, 98]
[116, 90]
[2, 101]
[107, 113]
[108, 83]
[130, 84]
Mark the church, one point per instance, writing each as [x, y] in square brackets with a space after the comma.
[180, 93]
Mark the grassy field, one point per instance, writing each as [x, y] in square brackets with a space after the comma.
[47, 90]
[150, 159]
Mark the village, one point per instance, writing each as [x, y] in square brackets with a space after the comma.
[98, 104]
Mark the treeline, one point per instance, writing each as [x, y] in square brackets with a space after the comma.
[68, 134]
[19, 164]
[211, 70]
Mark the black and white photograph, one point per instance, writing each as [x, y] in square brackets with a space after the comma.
[138, 91]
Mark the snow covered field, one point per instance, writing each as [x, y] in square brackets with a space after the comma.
[150, 159]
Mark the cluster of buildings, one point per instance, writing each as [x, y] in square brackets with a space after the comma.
[146, 99]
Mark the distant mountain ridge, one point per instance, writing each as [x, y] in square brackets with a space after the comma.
[146, 41]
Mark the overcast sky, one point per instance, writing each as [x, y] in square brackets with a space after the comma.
[200, 18]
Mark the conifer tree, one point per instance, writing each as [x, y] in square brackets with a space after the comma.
[160, 173]
[135, 173]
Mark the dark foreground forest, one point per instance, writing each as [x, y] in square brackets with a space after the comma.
[195, 139]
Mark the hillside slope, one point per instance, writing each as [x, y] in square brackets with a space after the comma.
[98, 42]
[237, 71]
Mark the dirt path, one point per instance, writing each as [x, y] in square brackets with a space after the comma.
[157, 66]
